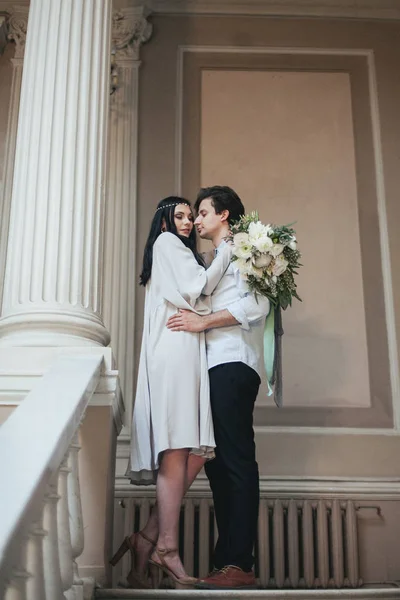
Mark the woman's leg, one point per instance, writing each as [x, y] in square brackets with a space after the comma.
[194, 464]
[170, 490]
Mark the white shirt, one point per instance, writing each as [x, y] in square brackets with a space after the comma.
[243, 342]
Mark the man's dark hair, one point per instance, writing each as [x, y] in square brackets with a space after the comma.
[222, 198]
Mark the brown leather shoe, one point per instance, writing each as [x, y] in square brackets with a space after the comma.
[229, 577]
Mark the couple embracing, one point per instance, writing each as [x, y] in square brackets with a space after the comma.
[199, 375]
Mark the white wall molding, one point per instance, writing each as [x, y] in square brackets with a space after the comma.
[130, 30]
[351, 9]
[362, 489]
[368, 54]
[196, 49]
[358, 9]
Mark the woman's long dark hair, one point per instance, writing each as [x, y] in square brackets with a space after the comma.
[166, 212]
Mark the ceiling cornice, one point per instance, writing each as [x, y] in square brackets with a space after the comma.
[348, 9]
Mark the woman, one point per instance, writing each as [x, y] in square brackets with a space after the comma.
[172, 432]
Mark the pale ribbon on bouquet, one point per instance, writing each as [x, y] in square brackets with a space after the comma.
[273, 353]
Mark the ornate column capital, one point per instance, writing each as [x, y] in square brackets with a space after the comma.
[17, 26]
[130, 29]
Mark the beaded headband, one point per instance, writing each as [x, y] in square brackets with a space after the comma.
[173, 204]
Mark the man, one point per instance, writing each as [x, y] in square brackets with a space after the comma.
[234, 338]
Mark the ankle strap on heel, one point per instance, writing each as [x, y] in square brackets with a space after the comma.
[145, 537]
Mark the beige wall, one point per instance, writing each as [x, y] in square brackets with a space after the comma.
[284, 141]
[5, 412]
[286, 445]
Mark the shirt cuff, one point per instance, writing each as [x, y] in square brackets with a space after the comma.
[239, 314]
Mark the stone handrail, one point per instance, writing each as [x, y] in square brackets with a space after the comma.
[41, 532]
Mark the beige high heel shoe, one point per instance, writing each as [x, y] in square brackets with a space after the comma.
[156, 567]
[134, 579]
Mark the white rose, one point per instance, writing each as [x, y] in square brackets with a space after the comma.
[242, 246]
[243, 251]
[263, 243]
[257, 230]
[262, 261]
[293, 245]
[280, 265]
[241, 239]
[276, 250]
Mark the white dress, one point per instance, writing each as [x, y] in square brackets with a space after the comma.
[172, 405]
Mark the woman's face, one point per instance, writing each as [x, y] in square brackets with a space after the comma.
[184, 220]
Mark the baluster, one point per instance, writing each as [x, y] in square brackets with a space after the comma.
[35, 586]
[16, 589]
[64, 532]
[75, 516]
[19, 576]
[51, 557]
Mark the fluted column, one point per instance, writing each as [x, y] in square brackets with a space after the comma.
[130, 31]
[53, 280]
[17, 25]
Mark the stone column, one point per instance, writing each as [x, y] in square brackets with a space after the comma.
[53, 280]
[17, 25]
[130, 31]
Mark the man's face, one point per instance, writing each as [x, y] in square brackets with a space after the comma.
[208, 223]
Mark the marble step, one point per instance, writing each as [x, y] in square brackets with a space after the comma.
[343, 594]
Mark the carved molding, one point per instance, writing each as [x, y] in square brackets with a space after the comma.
[129, 31]
[17, 27]
[359, 9]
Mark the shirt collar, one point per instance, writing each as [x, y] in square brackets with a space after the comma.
[219, 248]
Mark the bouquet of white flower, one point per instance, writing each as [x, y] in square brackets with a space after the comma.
[267, 258]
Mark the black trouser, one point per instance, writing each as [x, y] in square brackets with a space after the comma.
[233, 474]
